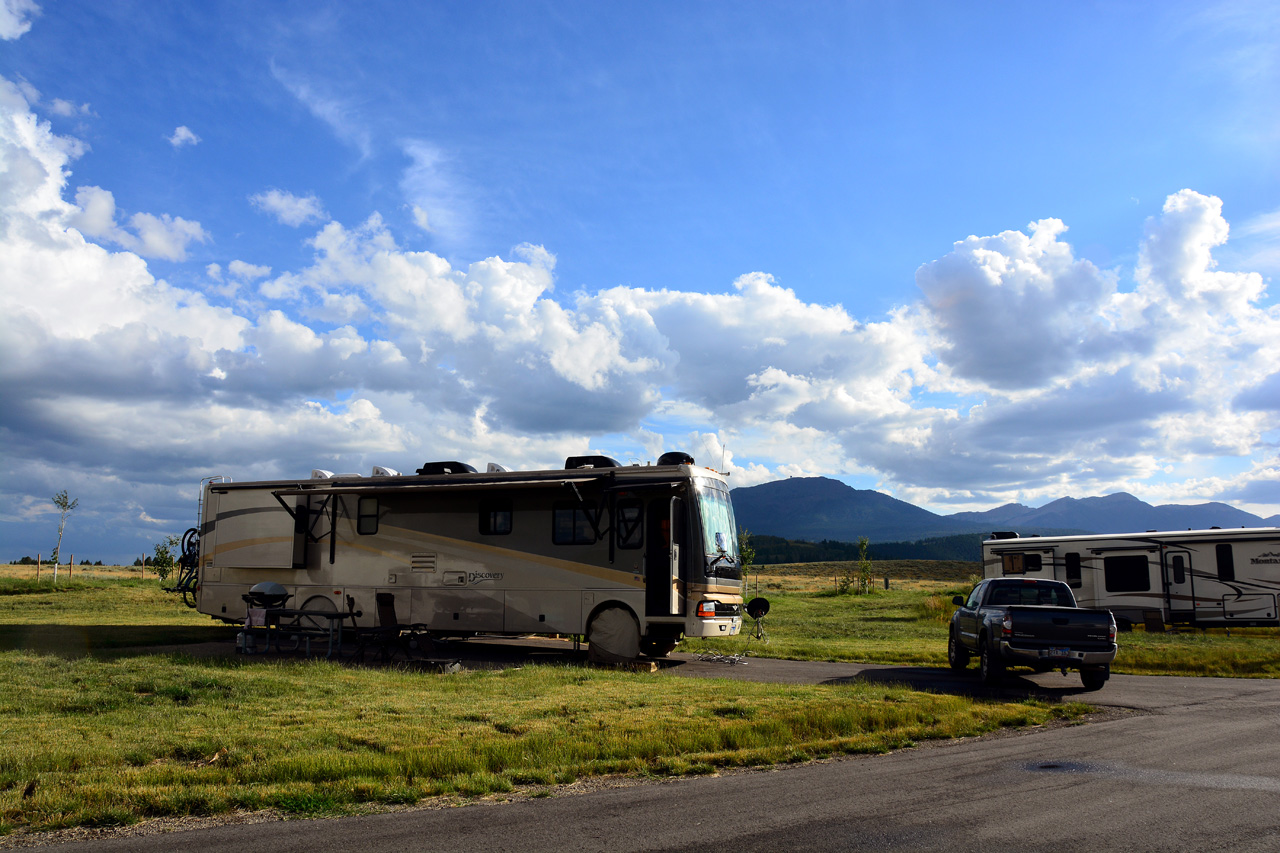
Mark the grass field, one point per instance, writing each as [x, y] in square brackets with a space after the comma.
[95, 731]
[907, 624]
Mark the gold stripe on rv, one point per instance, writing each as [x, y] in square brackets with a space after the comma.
[414, 540]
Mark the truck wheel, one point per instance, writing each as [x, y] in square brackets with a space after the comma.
[957, 655]
[613, 637]
[990, 665]
[1094, 678]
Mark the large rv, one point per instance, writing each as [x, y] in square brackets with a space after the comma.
[1198, 578]
[630, 557]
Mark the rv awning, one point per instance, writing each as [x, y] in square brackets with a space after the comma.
[384, 488]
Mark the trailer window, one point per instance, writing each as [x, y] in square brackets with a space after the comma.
[1072, 561]
[629, 521]
[1226, 565]
[495, 516]
[1127, 573]
[367, 516]
[573, 524]
[1179, 569]
[1020, 564]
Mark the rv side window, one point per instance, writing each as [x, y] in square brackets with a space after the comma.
[1179, 569]
[1128, 573]
[367, 516]
[495, 516]
[571, 524]
[1226, 565]
[630, 523]
[1072, 560]
[1020, 564]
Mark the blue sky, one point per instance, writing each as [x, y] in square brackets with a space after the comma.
[962, 253]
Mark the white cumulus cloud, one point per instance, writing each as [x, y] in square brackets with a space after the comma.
[181, 136]
[15, 18]
[289, 208]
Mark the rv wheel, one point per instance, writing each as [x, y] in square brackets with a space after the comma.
[613, 637]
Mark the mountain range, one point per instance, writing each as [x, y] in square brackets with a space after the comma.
[818, 508]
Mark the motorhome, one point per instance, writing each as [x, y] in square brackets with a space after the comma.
[629, 557]
[1198, 578]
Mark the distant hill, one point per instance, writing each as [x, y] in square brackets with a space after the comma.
[815, 509]
[1117, 513]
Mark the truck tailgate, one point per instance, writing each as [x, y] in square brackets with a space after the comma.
[1036, 626]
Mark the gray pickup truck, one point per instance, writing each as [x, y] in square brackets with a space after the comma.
[1036, 623]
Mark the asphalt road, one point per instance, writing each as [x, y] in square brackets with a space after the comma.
[1182, 764]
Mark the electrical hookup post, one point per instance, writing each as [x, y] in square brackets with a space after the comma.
[757, 608]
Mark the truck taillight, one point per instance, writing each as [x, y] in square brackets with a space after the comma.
[706, 609]
[1111, 633]
[1006, 627]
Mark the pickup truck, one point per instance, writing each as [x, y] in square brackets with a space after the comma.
[1036, 623]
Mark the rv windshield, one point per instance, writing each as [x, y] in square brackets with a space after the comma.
[719, 532]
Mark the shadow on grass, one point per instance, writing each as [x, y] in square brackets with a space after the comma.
[1016, 685]
[109, 640]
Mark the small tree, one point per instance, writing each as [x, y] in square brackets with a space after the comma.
[64, 505]
[166, 553]
[747, 554]
[864, 565]
[846, 580]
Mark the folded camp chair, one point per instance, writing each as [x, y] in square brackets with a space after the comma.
[393, 639]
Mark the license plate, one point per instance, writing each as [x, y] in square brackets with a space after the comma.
[1059, 653]
[733, 629]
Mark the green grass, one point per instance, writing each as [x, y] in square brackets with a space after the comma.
[97, 732]
[85, 741]
[908, 625]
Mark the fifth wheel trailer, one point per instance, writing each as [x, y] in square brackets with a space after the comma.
[631, 557]
[1199, 578]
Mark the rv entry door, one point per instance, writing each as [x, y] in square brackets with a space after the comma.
[1179, 587]
[663, 549]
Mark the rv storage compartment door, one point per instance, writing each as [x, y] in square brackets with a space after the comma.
[254, 531]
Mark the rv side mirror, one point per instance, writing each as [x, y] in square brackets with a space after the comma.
[957, 600]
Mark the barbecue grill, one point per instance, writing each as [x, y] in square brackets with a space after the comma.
[268, 594]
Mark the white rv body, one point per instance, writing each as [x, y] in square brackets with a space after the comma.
[498, 552]
[1200, 578]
